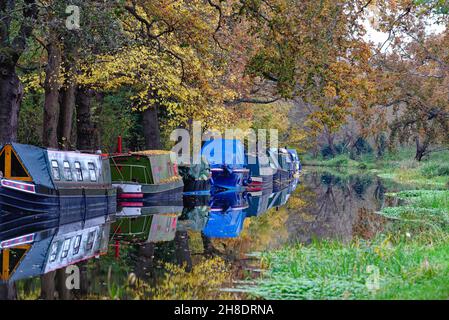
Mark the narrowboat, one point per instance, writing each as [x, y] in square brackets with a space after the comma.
[283, 163]
[35, 254]
[262, 171]
[295, 159]
[196, 177]
[44, 188]
[145, 179]
[226, 215]
[226, 158]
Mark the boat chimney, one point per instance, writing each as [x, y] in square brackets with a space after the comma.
[119, 144]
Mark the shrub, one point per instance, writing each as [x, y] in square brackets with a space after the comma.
[433, 169]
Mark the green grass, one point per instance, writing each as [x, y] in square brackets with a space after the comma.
[411, 256]
[398, 166]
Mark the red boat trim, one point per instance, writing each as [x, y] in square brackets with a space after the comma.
[130, 196]
[20, 186]
[131, 204]
[29, 238]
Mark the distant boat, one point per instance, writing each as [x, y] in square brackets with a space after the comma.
[284, 165]
[227, 163]
[44, 188]
[262, 171]
[145, 179]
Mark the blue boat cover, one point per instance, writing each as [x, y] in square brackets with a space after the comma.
[294, 153]
[36, 162]
[219, 152]
[227, 224]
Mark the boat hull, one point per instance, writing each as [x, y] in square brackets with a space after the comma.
[25, 212]
[230, 180]
[134, 195]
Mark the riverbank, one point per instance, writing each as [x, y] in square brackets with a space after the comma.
[399, 167]
[407, 259]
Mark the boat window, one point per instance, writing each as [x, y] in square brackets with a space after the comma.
[17, 169]
[54, 251]
[90, 240]
[78, 171]
[55, 170]
[67, 171]
[77, 244]
[92, 171]
[65, 248]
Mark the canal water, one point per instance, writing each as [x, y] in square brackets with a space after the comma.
[205, 247]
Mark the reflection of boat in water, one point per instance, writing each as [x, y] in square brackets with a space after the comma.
[259, 202]
[45, 251]
[195, 213]
[227, 163]
[158, 226]
[145, 178]
[226, 215]
[44, 188]
[279, 198]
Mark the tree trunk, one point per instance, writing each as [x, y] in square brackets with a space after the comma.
[48, 286]
[182, 250]
[51, 104]
[11, 94]
[151, 129]
[64, 293]
[421, 149]
[8, 291]
[85, 128]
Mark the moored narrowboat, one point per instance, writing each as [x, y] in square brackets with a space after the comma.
[44, 188]
[295, 160]
[262, 171]
[196, 177]
[284, 165]
[226, 158]
[145, 179]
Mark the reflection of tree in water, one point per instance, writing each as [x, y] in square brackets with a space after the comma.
[333, 205]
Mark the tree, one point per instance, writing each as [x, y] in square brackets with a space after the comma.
[12, 48]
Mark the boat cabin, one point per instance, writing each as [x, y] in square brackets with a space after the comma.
[44, 188]
[144, 167]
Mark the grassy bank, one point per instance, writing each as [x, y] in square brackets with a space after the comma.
[408, 260]
[399, 166]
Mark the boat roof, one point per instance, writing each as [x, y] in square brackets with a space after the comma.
[224, 151]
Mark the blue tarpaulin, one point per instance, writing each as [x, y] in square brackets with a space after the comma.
[219, 152]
